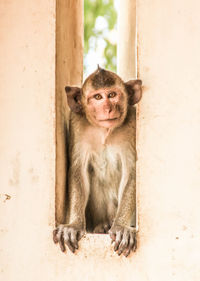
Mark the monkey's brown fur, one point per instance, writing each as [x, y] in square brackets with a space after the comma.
[102, 158]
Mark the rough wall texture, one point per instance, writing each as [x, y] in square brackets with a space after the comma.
[27, 143]
[169, 138]
[168, 150]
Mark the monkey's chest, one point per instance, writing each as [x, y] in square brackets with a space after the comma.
[104, 178]
[105, 167]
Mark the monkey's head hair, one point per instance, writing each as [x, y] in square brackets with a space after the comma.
[101, 78]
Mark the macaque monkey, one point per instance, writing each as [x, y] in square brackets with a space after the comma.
[102, 156]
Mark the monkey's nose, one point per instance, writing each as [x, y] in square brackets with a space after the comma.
[107, 107]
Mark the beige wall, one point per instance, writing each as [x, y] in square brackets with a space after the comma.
[126, 41]
[27, 142]
[169, 139]
[69, 71]
[168, 150]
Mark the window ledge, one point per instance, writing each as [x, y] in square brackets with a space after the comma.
[98, 245]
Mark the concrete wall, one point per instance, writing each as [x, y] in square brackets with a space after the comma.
[168, 150]
[127, 52]
[69, 71]
[126, 41]
[27, 142]
[169, 139]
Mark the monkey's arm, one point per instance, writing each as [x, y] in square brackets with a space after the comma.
[127, 204]
[78, 196]
[121, 231]
[71, 232]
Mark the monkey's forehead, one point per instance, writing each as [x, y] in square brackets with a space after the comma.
[102, 78]
[90, 88]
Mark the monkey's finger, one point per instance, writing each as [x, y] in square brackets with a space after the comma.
[127, 251]
[124, 243]
[59, 238]
[68, 243]
[117, 240]
[74, 240]
[122, 247]
[132, 245]
[80, 235]
[55, 235]
[112, 236]
[133, 240]
[61, 243]
[135, 244]
[67, 240]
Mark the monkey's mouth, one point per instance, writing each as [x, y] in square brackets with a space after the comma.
[110, 119]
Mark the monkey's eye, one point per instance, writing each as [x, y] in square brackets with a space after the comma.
[98, 97]
[112, 94]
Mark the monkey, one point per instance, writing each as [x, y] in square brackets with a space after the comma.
[102, 161]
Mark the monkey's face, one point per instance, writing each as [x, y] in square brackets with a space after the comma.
[106, 107]
[104, 98]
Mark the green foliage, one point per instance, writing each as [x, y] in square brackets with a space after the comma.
[92, 10]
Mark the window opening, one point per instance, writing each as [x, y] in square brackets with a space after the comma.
[100, 40]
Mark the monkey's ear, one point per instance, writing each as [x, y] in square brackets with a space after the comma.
[74, 98]
[134, 89]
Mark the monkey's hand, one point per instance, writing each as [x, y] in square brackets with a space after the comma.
[124, 239]
[68, 234]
